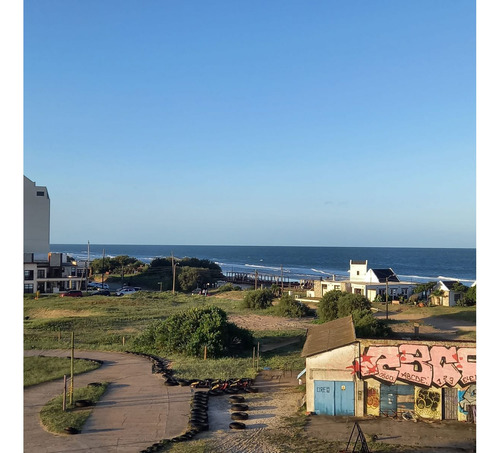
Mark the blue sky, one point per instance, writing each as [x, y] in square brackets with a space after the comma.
[330, 123]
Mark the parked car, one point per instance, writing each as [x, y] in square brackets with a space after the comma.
[125, 291]
[97, 285]
[72, 293]
[102, 292]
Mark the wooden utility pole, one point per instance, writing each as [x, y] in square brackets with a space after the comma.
[102, 278]
[256, 278]
[173, 274]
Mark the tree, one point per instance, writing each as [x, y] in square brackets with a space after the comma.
[337, 304]
[348, 303]
[469, 297]
[192, 277]
[328, 305]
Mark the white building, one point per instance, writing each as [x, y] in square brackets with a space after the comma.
[44, 271]
[367, 282]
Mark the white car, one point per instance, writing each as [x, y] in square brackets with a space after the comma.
[125, 291]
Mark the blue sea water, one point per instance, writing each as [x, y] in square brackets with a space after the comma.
[303, 263]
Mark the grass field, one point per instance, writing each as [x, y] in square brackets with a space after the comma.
[112, 323]
[40, 369]
[55, 420]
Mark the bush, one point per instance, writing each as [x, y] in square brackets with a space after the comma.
[228, 287]
[258, 299]
[328, 306]
[292, 308]
[367, 326]
[337, 304]
[190, 331]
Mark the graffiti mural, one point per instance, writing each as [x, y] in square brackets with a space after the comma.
[373, 401]
[428, 403]
[466, 398]
[418, 364]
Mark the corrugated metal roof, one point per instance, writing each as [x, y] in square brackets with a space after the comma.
[328, 336]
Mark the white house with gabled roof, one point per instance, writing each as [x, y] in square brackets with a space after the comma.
[367, 282]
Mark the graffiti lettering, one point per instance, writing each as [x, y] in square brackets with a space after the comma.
[418, 364]
[323, 389]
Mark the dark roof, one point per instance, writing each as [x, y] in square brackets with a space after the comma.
[328, 336]
[359, 261]
[449, 284]
[382, 274]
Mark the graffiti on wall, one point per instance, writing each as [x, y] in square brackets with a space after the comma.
[418, 364]
[372, 401]
[466, 398]
[428, 403]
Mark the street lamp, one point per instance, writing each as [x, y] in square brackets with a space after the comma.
[387, 296]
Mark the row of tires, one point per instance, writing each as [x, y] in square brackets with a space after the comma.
[238, 412]
[198, 422]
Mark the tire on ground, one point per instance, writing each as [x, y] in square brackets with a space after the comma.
[239, 416]
[237, 425]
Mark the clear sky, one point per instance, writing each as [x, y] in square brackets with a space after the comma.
[329, 123]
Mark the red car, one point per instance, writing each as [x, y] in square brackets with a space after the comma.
[72, 293]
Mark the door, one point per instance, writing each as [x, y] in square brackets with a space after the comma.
[324, 397]
[450, 396]
[343, 398]
[388, 400]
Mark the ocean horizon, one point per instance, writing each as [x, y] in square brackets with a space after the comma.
[415, 264]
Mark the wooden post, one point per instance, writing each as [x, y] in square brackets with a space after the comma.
[258, 354]
[253, 358]
[205, 354]
[64, 394]
[72, 368]
[123, 341]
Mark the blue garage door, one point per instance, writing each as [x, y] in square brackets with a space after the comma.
[334, 397]
[344, 398]
[323, 397]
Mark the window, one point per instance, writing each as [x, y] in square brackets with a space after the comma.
[28, 275]
[28, 288]
[40, 193]
[40, 273]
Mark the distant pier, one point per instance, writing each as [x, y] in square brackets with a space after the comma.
[262, 279]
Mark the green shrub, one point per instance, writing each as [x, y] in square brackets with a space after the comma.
[292, 308]
[258, 299]
[190, 331]
[228, 287]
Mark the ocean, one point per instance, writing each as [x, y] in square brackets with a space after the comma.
[302, 263]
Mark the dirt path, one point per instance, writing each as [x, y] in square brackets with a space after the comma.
[136, 411]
